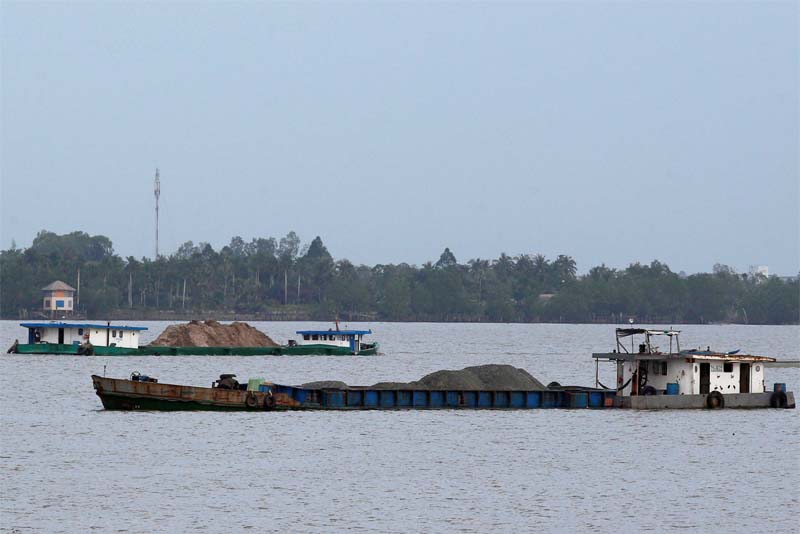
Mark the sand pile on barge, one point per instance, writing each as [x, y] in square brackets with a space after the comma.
[212, 334]
[483, 377]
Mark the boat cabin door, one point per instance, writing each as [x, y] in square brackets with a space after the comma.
[60, 336]
[744, 378]
[705, 378]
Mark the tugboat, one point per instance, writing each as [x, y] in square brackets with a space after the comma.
[332, 342]
[649, 378]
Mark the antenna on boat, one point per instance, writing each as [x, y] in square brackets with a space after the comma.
[157, 193]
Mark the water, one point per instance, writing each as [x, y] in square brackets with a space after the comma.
[69, 466]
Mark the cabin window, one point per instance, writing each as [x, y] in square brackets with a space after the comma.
[80, 331]
[663, 368]
[728, 367]
[306, 337]
[315, 337]
[46, 303]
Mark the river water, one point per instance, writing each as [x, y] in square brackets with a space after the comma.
[69, 466]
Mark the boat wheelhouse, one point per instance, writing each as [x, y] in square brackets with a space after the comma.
[643, 369]
[341, 341]
[56, 337]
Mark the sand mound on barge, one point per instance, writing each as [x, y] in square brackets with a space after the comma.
[484, 377]
[212, 334]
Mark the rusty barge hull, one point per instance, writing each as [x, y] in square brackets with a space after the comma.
[118, 394]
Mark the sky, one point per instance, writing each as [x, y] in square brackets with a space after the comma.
[613, 133]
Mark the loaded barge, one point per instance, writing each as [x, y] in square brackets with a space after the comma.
[87, 339]
[647, 379]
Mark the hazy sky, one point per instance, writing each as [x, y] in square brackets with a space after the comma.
[622, 132]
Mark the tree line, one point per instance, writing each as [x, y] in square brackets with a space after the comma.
[265, 274]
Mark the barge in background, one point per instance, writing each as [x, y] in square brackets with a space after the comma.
[111, 340]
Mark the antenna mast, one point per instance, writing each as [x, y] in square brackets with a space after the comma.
[157, 193]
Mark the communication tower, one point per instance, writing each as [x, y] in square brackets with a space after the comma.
[157, 193]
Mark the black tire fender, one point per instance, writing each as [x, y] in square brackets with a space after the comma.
[649, 390]
[715, 401]
[250, 400]
[778, 399]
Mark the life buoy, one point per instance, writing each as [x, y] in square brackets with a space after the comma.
[250, 400]
[778, 399]
[715, 401]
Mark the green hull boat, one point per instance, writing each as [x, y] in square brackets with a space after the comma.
[89, 339]
[150, 350]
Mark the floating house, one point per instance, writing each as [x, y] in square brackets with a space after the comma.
[58, 297]
[76, 335]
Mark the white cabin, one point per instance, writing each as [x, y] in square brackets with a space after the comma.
[348, 339]
[101, 335]
[645, 370]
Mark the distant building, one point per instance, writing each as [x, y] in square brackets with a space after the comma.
[762, 270]
[58, 297]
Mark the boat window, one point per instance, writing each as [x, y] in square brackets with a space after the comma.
[80, 331]
[728, 367]
[663, 368]
[315, 337]
[305, 337]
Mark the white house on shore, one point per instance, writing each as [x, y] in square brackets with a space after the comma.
[58, 297]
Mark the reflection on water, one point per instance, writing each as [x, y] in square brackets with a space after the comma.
[68, 466]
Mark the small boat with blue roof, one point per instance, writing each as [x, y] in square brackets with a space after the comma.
[340, 342]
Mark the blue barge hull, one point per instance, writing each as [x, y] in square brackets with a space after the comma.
[295, 398]
[120, 394]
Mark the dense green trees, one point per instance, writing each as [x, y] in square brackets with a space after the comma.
[266, 274]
